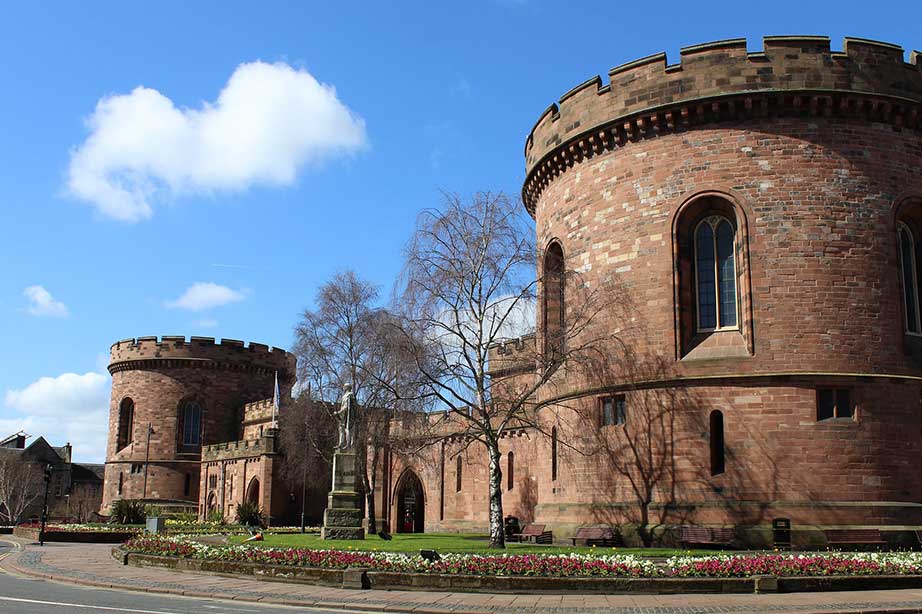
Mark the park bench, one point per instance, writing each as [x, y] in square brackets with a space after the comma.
[705, 536]
[535, 533]
[837, 538]
[595, 536]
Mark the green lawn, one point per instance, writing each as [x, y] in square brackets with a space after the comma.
[441, 542]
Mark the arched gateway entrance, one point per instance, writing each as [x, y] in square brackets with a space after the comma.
[411, 505]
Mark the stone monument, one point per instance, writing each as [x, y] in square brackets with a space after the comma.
[343, 517]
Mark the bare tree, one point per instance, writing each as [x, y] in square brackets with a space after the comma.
[20, 485]
[347, 338]
[468, 280]
[306, 437]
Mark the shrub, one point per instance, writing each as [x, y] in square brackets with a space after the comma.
[249, 514]
[215, 517]
[127, 511]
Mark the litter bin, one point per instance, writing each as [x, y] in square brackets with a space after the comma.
[155, 524]
[781, 533]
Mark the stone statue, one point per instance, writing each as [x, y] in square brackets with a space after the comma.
[347, 418]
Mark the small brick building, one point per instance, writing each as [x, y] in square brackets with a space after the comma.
[763, 212]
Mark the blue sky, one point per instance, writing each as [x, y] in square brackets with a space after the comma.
[428, 96]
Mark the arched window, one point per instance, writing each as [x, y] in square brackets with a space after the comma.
[554, 454]
[125, 423]
[458, 474]
[715, 274]
[553, 300]
[717, 443]
[510, 471]
[910, 279]
[190, 424]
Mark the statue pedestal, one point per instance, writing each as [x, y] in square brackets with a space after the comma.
[343, 517]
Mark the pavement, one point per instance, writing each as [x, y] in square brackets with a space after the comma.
[91, 565]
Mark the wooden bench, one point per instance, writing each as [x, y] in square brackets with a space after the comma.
[535, 533]
[854, 537]
[705, 536]
[595, 536]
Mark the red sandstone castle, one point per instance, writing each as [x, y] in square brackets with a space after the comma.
[764, 209]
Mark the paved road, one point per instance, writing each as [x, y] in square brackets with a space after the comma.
[22, 595]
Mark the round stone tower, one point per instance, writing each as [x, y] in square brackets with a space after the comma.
[190, 393]
[761, 212]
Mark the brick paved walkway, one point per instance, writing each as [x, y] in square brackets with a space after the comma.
[91, 564]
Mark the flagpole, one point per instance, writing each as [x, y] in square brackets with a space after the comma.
[275, 401]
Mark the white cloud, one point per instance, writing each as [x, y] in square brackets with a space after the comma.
[69, 407]
[205, 323]
[41, 303]
[205, 295]
[268, 122]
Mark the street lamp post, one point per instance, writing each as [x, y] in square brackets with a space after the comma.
[47, 478]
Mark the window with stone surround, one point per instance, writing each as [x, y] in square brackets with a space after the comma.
[834, 403]
[909, 278]
[711, 274]
[613, 410]
[190, 424]
[125, 424]
[458, 473]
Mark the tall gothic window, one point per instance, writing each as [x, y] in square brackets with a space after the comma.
[715, 274]
[553, 299]
[910, 279]
[125, 423]
[190, 421]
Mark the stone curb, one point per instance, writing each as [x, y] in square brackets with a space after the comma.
[385, 580]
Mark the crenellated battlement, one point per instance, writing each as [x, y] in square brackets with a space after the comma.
[718, 81]
[244, 448]
[258, 411]
[201, 351]
[514, 354]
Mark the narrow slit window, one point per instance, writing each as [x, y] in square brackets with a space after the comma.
[125, 423]
[458, 474]
[554, 454]
[510, 471]
[909, 279]
[554, 300]
[718, 451]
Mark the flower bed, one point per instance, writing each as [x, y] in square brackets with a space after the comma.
[564, 565]
[544, 565]
[789, 565]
